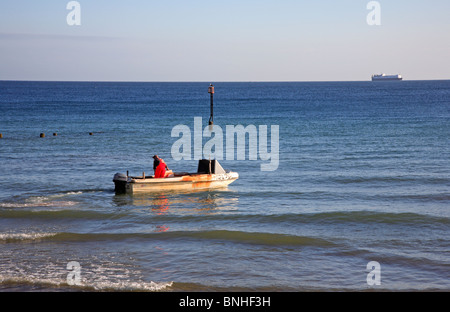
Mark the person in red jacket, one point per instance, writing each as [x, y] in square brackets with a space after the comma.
[160, 167]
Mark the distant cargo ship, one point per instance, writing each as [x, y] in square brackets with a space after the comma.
[383, 77]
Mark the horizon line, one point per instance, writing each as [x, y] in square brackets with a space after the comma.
[203, 81]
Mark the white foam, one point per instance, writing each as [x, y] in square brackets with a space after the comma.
[24, 236]
[42, 201]
[98, 286]
[27, 280]
[58, 203]
[74, 193]
[130, 286]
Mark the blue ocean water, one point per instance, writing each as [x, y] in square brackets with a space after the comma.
[363, 176]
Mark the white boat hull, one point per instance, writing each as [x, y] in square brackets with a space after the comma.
[384, 77]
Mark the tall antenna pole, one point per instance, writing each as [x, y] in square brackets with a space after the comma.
[211, 91]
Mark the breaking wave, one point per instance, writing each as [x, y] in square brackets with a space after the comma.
[22, 282]
[14, 237]
[256, 238]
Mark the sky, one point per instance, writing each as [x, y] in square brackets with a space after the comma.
[246, 40]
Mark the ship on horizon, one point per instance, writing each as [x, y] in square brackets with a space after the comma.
[384, 77]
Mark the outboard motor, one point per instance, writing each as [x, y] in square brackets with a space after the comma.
[120, 183]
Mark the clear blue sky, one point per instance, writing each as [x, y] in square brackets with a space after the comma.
[256, 40]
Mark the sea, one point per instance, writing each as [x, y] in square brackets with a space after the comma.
[359, 198]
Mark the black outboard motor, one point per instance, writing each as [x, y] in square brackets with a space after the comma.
[209, 166]
[120, 183]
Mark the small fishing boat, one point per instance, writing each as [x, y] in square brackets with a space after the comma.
[210, 174]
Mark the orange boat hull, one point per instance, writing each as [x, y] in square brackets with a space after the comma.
[185, 182]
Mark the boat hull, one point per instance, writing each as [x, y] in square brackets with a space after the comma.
[186, 182]
[384, 77]
[387, 79]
